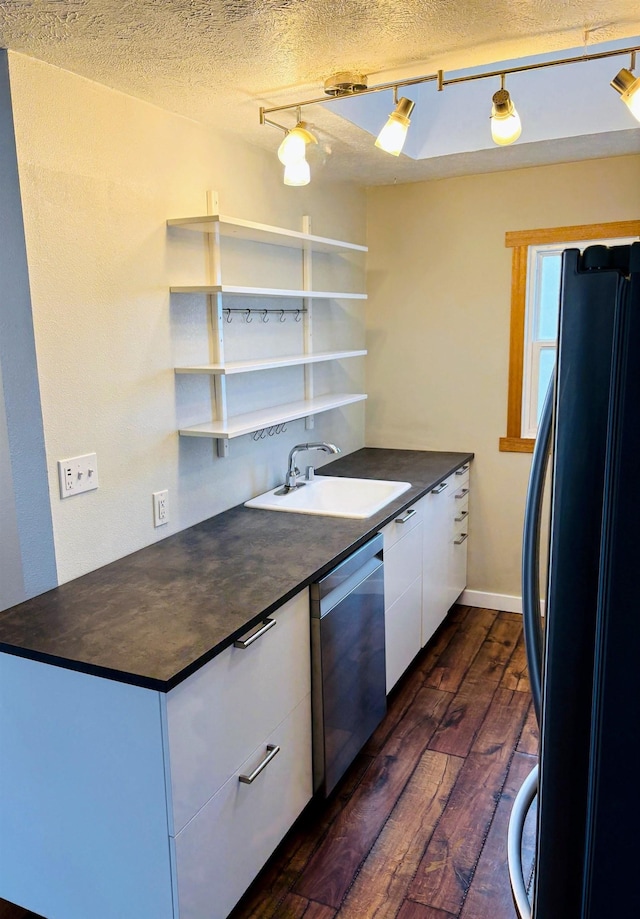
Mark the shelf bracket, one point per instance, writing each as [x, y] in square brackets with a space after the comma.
[307, 284]
[218, 383]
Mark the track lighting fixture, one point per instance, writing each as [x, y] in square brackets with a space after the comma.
[505, 121]
[393, 135]
[506, 126]
[628, 85]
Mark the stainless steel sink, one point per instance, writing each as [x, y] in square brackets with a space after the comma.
[332, 496]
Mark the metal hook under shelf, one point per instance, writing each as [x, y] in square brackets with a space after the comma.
[248, 313]
[270, 431]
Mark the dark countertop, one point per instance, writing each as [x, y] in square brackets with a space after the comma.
[154, 617]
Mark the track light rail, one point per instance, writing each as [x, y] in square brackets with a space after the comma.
[596, 55]
[442, 81]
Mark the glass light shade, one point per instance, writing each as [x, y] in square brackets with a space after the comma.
[631, 98]
[505, 129]
[294, 145]
[297, 173]
[393, 135]
[292, 148]
[628, 85]
[505, 121]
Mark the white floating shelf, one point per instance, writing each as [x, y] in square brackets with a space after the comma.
[231, 367]
[238, 425]
[266, 292]
[262, 232]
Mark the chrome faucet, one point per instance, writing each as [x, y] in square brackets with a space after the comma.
[291, 478]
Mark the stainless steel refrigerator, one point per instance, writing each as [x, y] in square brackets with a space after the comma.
[585, 669]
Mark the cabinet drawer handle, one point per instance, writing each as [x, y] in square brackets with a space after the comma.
[439, 488]
[407, 515]
[462, 493]
[272, 750]
[245, 642]
[461, 516]
[462, 469]
[458, 542]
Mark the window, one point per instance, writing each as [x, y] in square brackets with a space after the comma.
[535, 290]
[541, 318]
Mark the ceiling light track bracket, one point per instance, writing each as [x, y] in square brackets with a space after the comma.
[271, 123]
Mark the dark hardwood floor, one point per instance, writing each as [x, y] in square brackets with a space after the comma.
[417, 828]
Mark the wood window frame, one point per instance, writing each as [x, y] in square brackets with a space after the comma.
[519, 241]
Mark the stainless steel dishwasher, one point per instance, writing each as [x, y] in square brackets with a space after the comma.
[348, 661]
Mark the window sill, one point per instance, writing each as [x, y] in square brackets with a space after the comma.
[517, 444]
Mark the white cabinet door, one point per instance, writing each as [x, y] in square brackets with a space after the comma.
[220, 714]
[403, 631]
[402, 565]
[402, 591]
[222, 849]
[445, 515]
[436, 562]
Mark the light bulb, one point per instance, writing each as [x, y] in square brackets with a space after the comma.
[297, 173]
[506, 126]
[393, 135]
[628, 86]
[294, 145]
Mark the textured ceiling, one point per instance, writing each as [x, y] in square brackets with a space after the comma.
[217, 61]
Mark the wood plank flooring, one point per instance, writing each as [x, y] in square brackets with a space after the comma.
[417, 828]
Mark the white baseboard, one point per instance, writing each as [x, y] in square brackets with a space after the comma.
[505, 603]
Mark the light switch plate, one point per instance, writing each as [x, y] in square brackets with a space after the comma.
[78, 474]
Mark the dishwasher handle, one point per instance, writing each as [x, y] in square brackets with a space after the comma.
[340, 582]
[346, 587]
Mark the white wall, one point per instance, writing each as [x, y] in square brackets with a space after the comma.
[100, 172]
[438, 324]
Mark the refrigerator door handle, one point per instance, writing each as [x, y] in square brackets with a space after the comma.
[519, 812]
[531, 615]
[532, 625]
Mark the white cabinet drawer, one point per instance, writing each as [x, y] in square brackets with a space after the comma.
[461, 508]
[447, 488]
[403, 524]
[461, 477]
[402, 565]
[461, 494]
[403, 631]
[221, 713]
[222, 849]
[459, 560]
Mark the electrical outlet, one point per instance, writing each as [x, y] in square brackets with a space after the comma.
[78, 474]
[160, 508]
